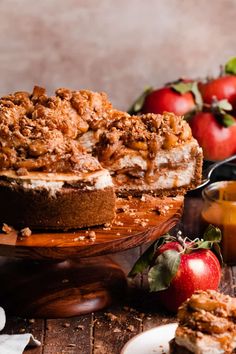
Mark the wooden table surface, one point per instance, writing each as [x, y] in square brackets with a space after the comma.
[107, 331]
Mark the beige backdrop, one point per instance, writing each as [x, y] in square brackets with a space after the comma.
[118, 46]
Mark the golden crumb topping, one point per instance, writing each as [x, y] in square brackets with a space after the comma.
[38, 132]
[42, 133]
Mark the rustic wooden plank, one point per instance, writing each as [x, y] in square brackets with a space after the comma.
[16, 325]
[70, 336]
[113, 328]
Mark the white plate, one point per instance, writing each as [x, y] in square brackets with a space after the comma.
[153, 341]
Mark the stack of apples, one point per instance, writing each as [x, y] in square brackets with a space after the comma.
[209, 106]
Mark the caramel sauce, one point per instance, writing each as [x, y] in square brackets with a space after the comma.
[221, 212]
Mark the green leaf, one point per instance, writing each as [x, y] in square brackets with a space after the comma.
[203, 244]
[139, 102]
[165, 269]
[197, 95]
[212, 234]
[230, 66]
[184, 87]
[228, 120]
[216, 249]
[224, 105]
[146, 258]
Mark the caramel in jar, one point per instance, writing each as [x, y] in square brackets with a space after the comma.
[219, 209]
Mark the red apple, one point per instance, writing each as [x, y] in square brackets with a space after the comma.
[181, 98]
[169, 100]
[198, 270]
[223, 87]
[178, 267]
[217, 141]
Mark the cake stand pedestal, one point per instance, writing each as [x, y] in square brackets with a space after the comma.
[63, 274]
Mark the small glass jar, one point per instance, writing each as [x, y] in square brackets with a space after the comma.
[219, 209]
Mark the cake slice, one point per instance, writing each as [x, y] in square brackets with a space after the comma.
[206, 325]
[150, 153]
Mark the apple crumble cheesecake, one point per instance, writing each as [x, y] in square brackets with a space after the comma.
[64, 158]
[206, 325]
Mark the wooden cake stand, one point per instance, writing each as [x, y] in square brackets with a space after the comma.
[63, 274]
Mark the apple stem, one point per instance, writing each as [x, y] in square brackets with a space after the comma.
[180, 239]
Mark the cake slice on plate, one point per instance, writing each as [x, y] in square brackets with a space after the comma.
[206, 325]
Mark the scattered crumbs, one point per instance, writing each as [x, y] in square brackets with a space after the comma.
[107, 224]
[80, 238]
[119, 223]
[143, 198]
[162, 209]
[22, 330]
[81, 327]
[132, 213]
[141, 222]
[92, 235]
[117, 330]
[149, 318]
[106, 228]
[89, 235]
[71, 345]
[138, 319]
[131, 328]
[65, 281]
[124, 209]
[129, 230]
[7, 229]
[111, 316]
[66, 325]
[118, 233]
[31, 320]
[26, 232]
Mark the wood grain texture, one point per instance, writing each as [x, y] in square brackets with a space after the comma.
[63, 289]
[137, 221]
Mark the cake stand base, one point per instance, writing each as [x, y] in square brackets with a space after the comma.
[60, 289]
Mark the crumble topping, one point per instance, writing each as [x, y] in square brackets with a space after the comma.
[41, 133]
